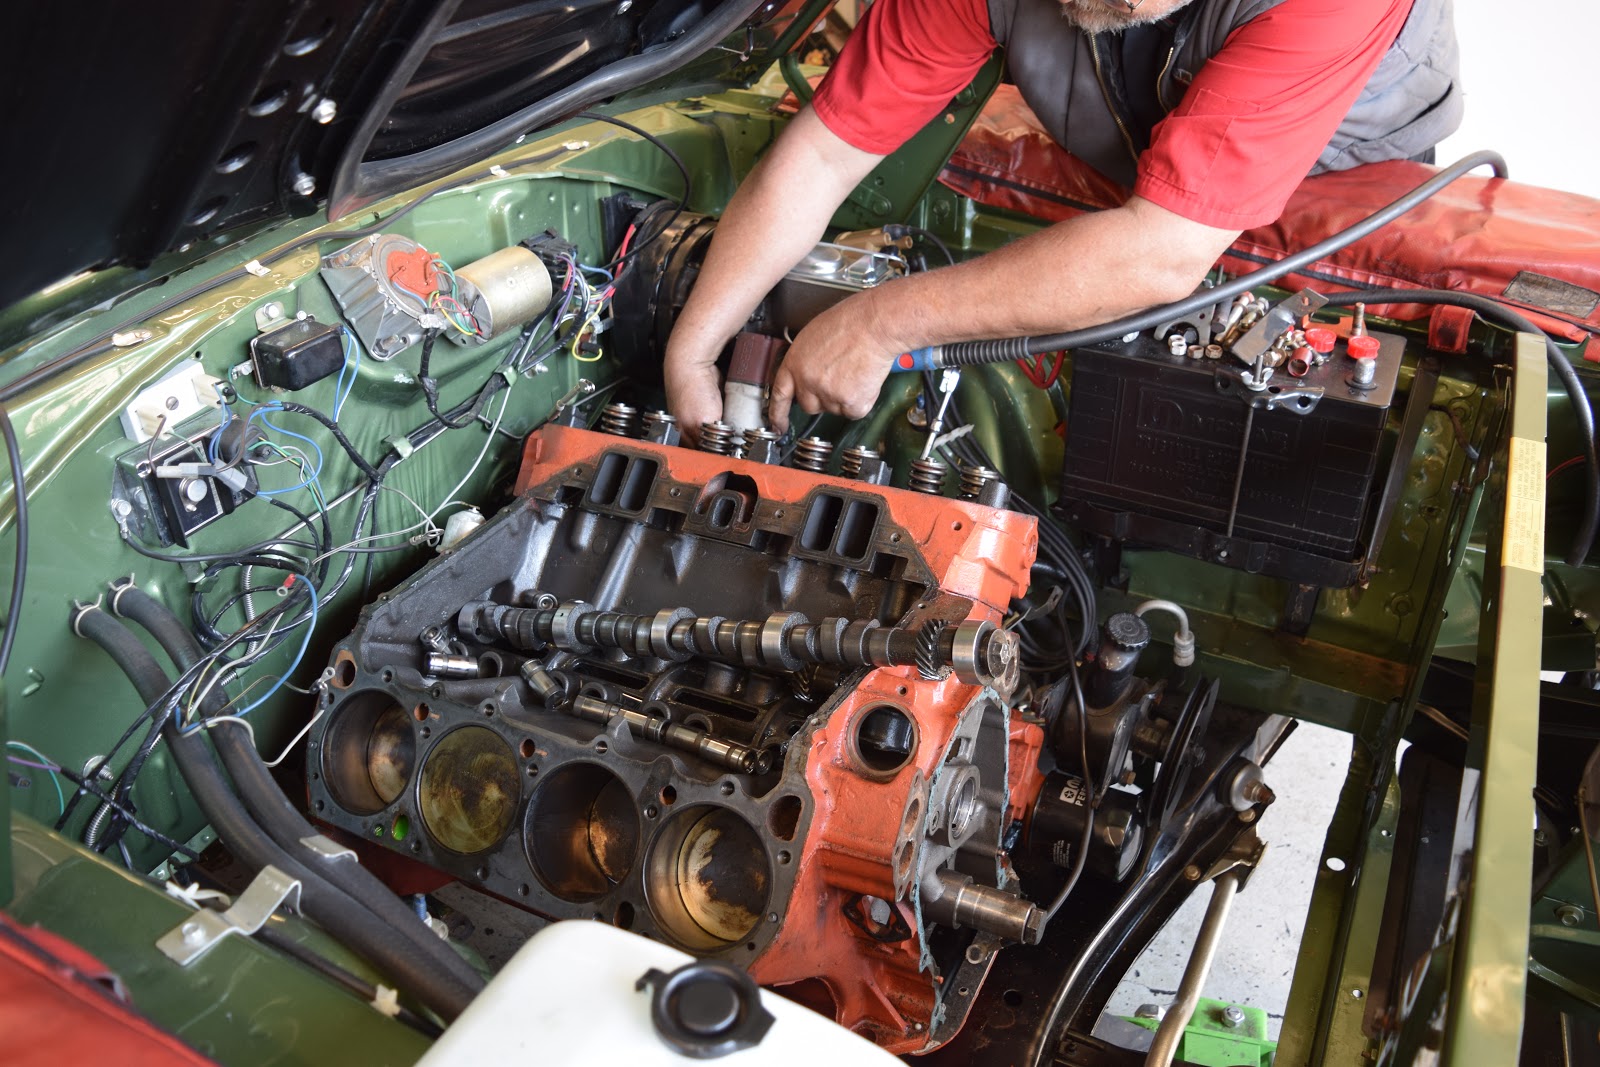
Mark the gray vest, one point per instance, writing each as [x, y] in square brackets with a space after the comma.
[1410, 104]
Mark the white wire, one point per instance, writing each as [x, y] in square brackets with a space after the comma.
[297, 738]
[484, 451]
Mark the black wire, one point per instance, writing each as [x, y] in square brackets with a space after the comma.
[361, 988]
[931, 237]
[430, 388]
[121, 809]
[677, 161]
[1088, 796]
[19, 494]
[209, 557]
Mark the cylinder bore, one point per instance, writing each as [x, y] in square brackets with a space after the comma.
[368, 753]
[582, 832]
[468, 789]
[708, 878]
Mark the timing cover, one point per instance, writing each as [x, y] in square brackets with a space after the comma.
[878, 788]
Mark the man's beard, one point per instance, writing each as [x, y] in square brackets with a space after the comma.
[1096, 16]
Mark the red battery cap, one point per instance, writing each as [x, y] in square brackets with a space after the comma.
[1320, 339]
[1363, 347]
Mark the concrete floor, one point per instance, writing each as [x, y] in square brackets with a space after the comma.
[1255, 963]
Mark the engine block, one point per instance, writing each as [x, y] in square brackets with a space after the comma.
[759, 713]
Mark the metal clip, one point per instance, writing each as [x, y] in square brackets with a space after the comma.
[196, 935]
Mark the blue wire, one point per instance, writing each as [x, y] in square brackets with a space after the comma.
[311, 625]
[55, 778]
[354, 367]
[317, 471]
[598, 270]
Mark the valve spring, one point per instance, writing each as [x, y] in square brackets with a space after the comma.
[656, 422]
[927, 476]
[619, 419]
[852, 458]
[975, 479]
[928, 660]
[812, 454]
[755, 437]
[716, 437]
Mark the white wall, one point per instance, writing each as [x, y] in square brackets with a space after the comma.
[1532, 96]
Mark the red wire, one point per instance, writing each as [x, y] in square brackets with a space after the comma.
[1036, 373]
[1563, 465]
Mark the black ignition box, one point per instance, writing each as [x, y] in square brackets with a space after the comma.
[1152, 454]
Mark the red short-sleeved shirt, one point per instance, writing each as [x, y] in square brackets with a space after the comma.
[1262, 109]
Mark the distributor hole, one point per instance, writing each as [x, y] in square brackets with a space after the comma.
[885, 738]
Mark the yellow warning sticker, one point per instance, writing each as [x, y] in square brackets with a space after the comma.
[1524, 540]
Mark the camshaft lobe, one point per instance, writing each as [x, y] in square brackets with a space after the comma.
[787, 641]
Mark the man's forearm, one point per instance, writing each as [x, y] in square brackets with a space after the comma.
[777, 214]
[1082, 272]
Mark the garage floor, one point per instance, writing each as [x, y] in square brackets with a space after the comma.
[1255, 963]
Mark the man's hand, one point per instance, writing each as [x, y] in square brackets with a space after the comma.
[693, 393]
[837, 364]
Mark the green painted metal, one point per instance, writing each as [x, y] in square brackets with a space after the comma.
[5, 810]
[890, 193]
[1210, 1040]
[240, 1003]
[1327, 998]
[1490, 977]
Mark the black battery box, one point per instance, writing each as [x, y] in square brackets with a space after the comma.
[1153, 448]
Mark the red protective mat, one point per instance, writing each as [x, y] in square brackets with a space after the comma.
[1537, 249]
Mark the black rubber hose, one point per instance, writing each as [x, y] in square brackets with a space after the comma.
[266, 802]
[347, 919]
[1494, 311]
[975, 353]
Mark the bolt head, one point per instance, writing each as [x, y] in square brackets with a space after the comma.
[192, 934]
[304, 184]
[1233, 1016]
[1569, 915]
[1191, 873]
[324, 112]
[1150, 1011]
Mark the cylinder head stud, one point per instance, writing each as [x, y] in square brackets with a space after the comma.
[927, 476]
[812, 454]
[619, 419]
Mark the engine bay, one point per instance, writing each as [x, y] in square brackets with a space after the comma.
[926, 721]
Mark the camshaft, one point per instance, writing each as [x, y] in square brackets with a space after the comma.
[979, 653]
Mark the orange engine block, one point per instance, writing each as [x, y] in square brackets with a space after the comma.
[761, 713]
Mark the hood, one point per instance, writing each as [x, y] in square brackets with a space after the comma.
[137, 130]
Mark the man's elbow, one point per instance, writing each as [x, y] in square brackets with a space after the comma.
[1179, 251]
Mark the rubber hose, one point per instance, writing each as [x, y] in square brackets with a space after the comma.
[345, 918]
[1493, 310]
[266, 802]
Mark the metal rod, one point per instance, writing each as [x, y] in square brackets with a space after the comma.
[1165, 1045]
[1238, 475]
